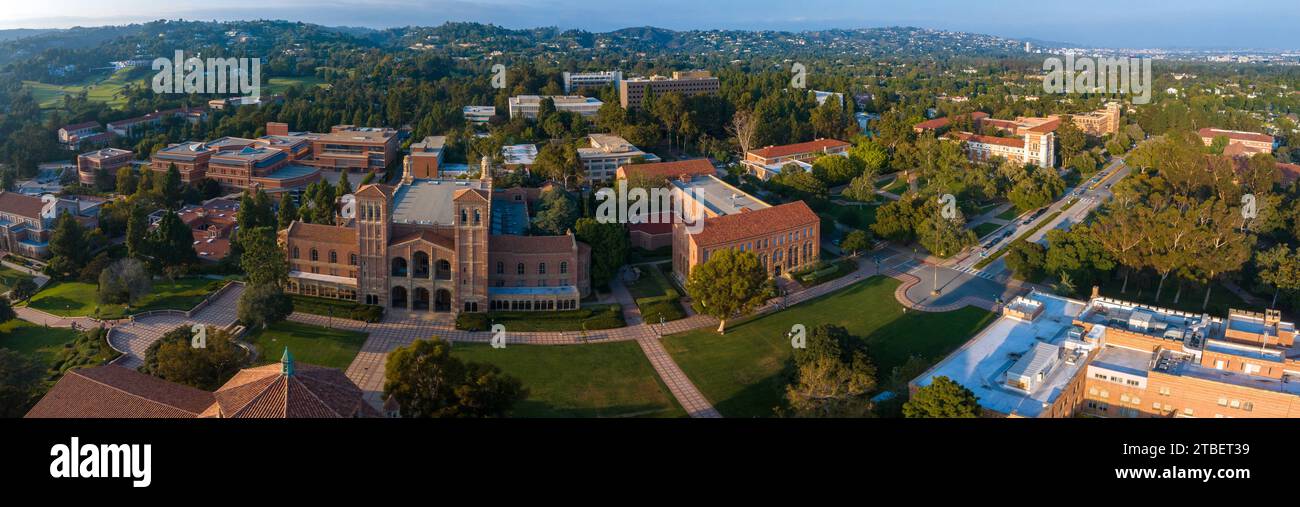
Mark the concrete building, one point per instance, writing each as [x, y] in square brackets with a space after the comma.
[478, 115]
[107, 159]
[78, 135]
[344, 147]
[578, 81]
[633, 91]
[519, 156]
[1050, 356]
[26, 222]
[237, 164]
[767, 162]
[1240, 143]
[785, 237]
[606, 154]
[527, 106]
[438, 245]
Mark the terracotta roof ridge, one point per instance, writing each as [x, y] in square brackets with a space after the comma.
[313, 395]
[260, 394]
[129, 393]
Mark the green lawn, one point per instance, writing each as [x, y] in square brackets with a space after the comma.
[985, 229]
[897, 186]
[10, 277]
[855, 217]
[652, 283]
[70, 299]
[593, 316]
[593, 380]
[107, 89]
[280, 84]
[1010, 213]
[309, 344]
[39, 342]
[744, 372]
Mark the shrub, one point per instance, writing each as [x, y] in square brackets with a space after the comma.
[472, 321]
[338, 308]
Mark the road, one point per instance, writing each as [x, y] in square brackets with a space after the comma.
[1088, 200]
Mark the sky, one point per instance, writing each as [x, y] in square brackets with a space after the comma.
[1242, 24]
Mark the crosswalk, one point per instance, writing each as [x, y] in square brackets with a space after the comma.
[976, 272]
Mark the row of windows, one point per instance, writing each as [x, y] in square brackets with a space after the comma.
[1116, 379]
[528, 305]
[520, 269]
[314, 256]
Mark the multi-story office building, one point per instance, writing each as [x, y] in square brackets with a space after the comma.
[238, 163]
[1036, 148]
[633, 91]
[1240, 143]
[26, 222]
[519, 156]
[1101, 122]
[437, 245]
[577, 81]
[767, 162]
[606, 154]
[132, 126]
[784, 237]
[79, 135]
[106, 159]
[527, 106]
[1050, 356]
[345, 147]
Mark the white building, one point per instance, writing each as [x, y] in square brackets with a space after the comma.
[479, 115]
[606, 154]
[574, 81]
[526, 106]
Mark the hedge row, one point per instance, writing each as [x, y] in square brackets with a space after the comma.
[338, 308]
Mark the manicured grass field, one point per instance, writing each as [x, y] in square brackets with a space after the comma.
[592, 316]
[1009, 214]
[309, 344]
[744, 372]
[10, 277]
[985, 229]
[72, 299]
[593, 380]
[40, 342]
[107, 89]
[280, 84]
[897, 186]
[856, 217]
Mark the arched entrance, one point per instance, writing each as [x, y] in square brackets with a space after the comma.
[443, 270]
[421, 300]
[442, 303]
[399, 266]
[398, 297]
[420, 265]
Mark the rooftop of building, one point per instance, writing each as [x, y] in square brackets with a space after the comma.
[609, 144]
[520, 154]
[1172, 362]
[675, 169]
[509, 217]
[289, 389]
[737, 227]
[479, 109]
[22, 205]
[1235, 135]
[1012, 344]
[322, 233]
[80, 126]
[105, 153]
[718, 196]
[798, 148]
[116, 392]
[559, 100]
[429, 201]
[1010, 142]
[429, 146]
[1191, 329]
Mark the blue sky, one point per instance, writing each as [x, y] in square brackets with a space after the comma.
[1112, 23]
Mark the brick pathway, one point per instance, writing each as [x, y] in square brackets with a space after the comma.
[134, 337]
[682, 388]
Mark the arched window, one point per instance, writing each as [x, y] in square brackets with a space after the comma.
[334, 257]
[501, 268]
[564, 267]
[477, 216]
[519, 270]
[315, 256]
[464, 216]
[541, 268]
[352, 259]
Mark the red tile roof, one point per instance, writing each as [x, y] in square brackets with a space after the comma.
[530, 244]
[797, 148]
[428, 237]
[692, 167]
[975, 138]
[322, 233]
[1045, 127]
[79, 126]
[116, 392]
[309, 391]
[739, 226]
[1235, 135]
[938, 123]
[21, 205]
[1289, 172]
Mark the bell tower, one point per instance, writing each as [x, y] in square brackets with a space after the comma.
[373, 230]
[473, 207]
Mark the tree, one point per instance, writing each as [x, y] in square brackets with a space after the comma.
[427, 381]
[1070, 139]
[743, 128]
[263, 260]
[69, 247]
[137, 230]
[262, 305]
[169, 187]
[835, 169]
[610, 240]
[23, 289]
[344, 187]
[869, 155]
[172, 242]
[833, 376]
[20, 381]
[124, 281]
[1025, 259]
[942, 398]
[1279, 267]
[728, 283]
[556, 212]
[862, 188]
[288, 211]
[205, 365]
[856, 241]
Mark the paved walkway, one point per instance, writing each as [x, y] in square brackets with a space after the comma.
[133, 337]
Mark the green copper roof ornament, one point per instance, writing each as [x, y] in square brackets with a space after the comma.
[286, 362]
